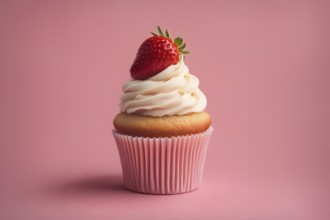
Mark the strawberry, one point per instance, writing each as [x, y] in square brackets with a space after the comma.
[156, 54]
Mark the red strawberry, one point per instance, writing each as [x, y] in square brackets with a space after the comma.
[156, 54]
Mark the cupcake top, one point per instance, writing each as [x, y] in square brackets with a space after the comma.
[161, 84]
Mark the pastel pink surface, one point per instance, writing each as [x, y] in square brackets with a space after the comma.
[264, 67]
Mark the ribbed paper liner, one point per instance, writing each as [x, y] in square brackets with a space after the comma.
[163, 165]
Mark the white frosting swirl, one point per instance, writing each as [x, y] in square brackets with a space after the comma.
[173, 91]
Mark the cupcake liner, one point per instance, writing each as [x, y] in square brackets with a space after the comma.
[163, 165]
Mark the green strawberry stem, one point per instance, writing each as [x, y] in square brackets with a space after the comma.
[177, 41]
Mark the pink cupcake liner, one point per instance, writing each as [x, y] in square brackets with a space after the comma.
[163, 165]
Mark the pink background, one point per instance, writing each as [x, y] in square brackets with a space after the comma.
[264, 66]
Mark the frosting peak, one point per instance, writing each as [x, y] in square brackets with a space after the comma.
[173, 91]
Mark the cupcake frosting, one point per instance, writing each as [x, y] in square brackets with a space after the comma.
[173, 91]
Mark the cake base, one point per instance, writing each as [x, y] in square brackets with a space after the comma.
[167, 126]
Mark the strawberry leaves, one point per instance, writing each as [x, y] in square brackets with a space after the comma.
[177, 41]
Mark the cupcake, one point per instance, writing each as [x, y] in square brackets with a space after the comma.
[162, 130]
